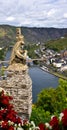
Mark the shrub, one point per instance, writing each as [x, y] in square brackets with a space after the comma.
[39, 115]
[53, 100]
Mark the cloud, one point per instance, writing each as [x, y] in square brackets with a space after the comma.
[37, 13]
[10, 18]
[51, 12]
[65, 15]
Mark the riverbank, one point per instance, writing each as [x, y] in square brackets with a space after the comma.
[54, 73]
[58, 75]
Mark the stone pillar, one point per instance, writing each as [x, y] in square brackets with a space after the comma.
[19, 84]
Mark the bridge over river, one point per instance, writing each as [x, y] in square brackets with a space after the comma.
[28, 60]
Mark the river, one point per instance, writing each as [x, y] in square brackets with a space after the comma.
[40, 79]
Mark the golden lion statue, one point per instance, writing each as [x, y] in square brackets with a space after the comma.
[18, 55]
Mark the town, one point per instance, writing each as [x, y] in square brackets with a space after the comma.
[55, 61]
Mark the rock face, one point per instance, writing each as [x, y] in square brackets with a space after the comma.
[19, 84]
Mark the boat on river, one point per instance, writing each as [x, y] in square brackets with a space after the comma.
[44, 68]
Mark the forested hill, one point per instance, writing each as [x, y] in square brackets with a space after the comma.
[7, 35]
[58, 44]
[31, 35]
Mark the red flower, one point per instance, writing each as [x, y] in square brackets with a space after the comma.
[64, 111]
[10, 106]
[5, 124]
[18, 120]
[10, 97]
[25, 122]
[42, 126]
[64, 118]
[5, 101]
[54, 123]
[3, 114]
[10, 128]
[11, 116]
[7, 113]
[1, 117]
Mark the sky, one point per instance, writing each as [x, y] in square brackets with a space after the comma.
[34, 13]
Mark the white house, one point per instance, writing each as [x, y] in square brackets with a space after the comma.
[58, 65]
[63, 68]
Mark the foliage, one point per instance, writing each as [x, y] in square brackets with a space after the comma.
[2, 54]
[31, 52]
[53, 100]
[46, 100]
[2, 71]
[7, 35]
[57, 45]
[2, 32]
[3, 51]
[31, 48]
[56, 123]
[39, 115]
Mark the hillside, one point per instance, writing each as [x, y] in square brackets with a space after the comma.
[42, 34]
[31, 35]
[57, 45]
[7, 35]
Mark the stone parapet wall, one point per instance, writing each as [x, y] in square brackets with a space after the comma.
[19, 84]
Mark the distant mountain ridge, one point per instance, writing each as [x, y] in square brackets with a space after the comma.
[43, 34]
[31, 35]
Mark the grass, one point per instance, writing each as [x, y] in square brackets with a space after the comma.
[58, 75]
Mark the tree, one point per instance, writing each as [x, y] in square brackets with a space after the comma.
[39, 115]
[53, 100]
